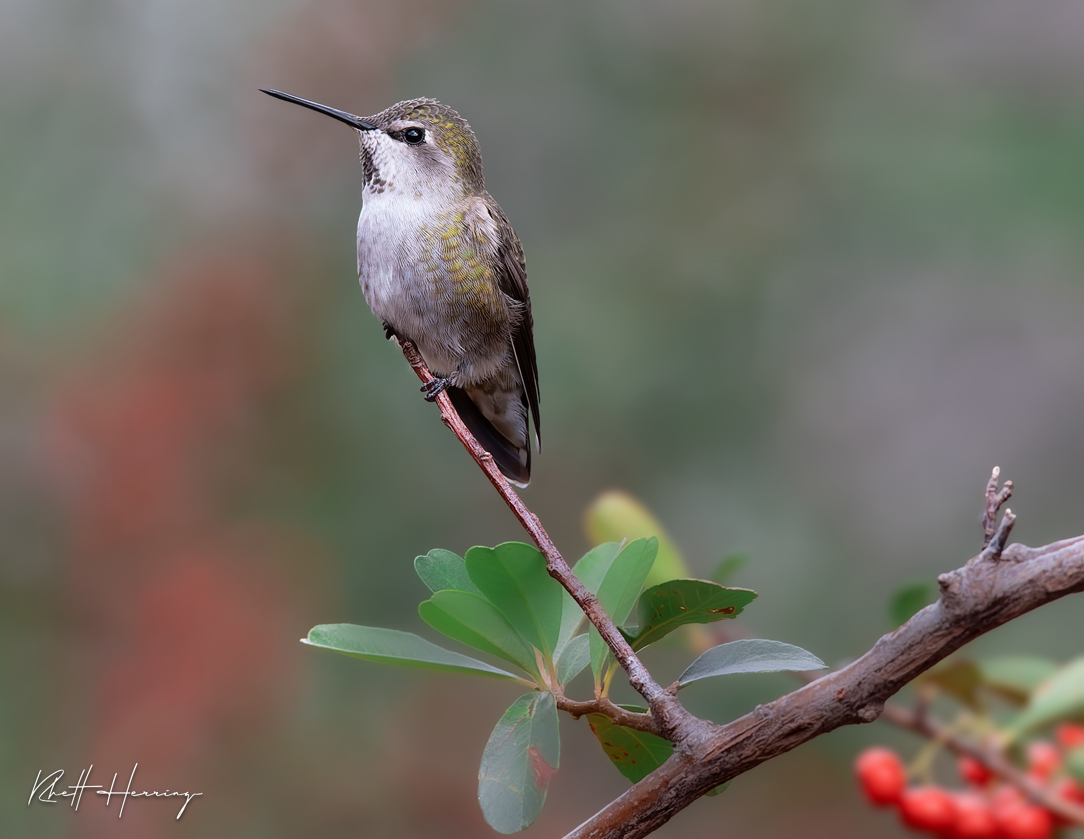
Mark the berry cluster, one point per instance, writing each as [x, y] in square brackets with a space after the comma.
[986, 808]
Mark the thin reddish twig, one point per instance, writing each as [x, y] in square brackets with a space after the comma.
[674, 722]
[607, 708]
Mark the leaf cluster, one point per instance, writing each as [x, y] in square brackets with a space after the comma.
[1016, 697]
[501, 601]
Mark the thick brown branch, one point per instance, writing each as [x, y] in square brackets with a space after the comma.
[992, 760]
[674, 722]
[982, 595]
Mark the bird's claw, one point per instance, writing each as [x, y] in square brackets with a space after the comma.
[435, 387]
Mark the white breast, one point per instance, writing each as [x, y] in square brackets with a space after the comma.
[384, 229]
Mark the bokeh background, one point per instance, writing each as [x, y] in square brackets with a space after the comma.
[801, 273]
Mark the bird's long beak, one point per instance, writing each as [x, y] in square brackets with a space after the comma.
[341, 116]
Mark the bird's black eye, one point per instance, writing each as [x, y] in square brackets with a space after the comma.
[414, 136]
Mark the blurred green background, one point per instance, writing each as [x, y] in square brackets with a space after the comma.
[801, 274]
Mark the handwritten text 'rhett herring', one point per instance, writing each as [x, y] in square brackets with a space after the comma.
[49, 793]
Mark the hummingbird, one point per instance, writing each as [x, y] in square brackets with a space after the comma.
[441, 266]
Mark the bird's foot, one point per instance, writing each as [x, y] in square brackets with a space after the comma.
[389, 331]
[435, 387]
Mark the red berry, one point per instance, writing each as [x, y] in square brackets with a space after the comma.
[1071, 790]
[1044, 759]
[1025, 821]
[973, 772]
[928, 808]
[1005, 797]
[1069, 735]
[1068, 790]
[974, 819]
[882, 776]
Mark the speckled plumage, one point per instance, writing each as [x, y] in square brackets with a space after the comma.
[440, 264]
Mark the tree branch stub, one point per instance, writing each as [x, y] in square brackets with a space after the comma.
[995, 498]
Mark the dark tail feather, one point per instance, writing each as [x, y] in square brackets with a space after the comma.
[504, 453]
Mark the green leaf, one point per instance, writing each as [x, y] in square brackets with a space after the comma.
[1061, 697]
[521, 756]
[636, 754]
[390, 646]
[1074, 763]
[443, 570]
[513, 577]
[590, 570]
[601, 656]
[618, 592]
[573, 658]
[476, 622]
[621, 586]
[959, 678]
[749, 656]
[909, 599]
[618, 517]
[728, 566]
[1015, 677]
[664, 608]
